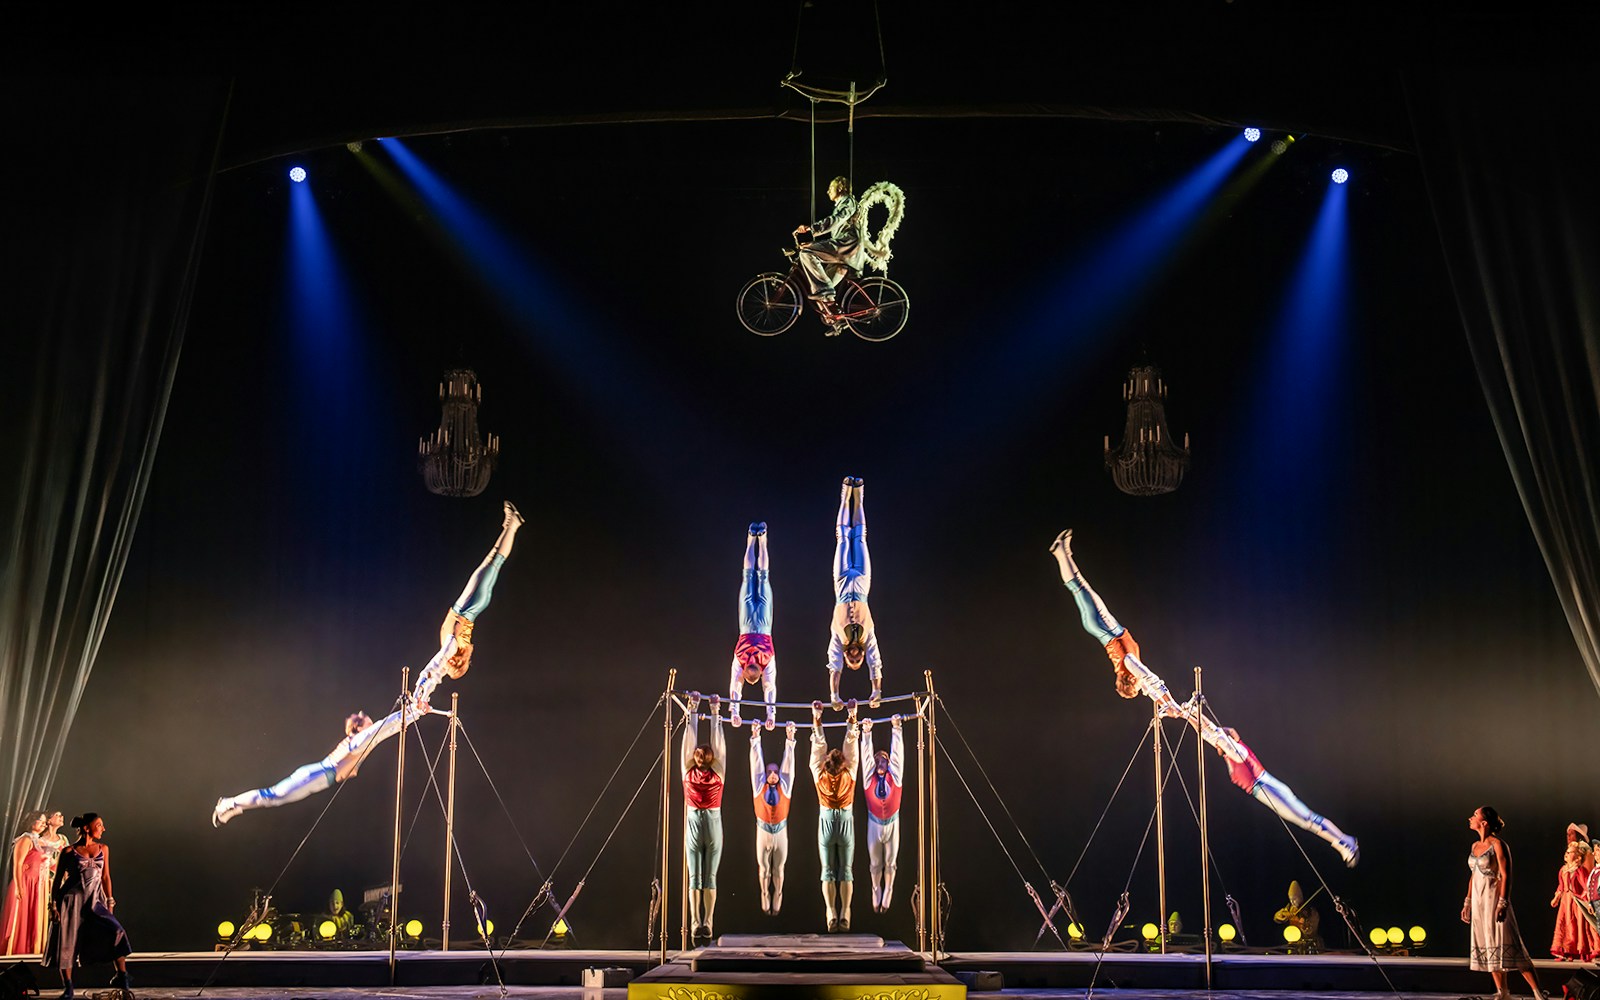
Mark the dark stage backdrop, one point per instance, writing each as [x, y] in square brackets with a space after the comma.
[1369, 607]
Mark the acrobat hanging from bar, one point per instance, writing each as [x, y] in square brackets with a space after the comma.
[881, 787]
[704, 767]
[853, 636]
[362, 735]
[1134, 679]
[771, 786]
[753, 657]
[834, 774]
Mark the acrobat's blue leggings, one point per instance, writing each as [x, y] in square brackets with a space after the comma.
[480, 587]
[1097, 621]
[702, 836]
[755, 603]
[836, 844]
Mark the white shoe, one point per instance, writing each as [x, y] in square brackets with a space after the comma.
[1350, 850]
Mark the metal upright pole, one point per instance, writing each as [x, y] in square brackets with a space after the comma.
[399, 803]
[922, 829]
[450, 819]
[1205, 846]
[1161, 831]
[666, 805]
[933, 818]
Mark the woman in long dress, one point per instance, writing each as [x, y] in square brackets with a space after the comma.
[21, 929]
[85, 930]
[1575, 939]
[1497, 947]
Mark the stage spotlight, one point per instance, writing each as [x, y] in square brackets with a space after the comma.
[1396, 935]
[262, 932]
[486, 928]
[1075, 932]
[297, 174]
[1340, 175]
[1252, 134]
[1417, 934]
[1292, 934]
[413, 928]
[1379, 936]
[354, 147]
[327, 929]
[1149, 932]
[225, 930]
[558, 930]
[1227, 933]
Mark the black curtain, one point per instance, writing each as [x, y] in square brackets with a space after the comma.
[1511, 175]
[108, 201]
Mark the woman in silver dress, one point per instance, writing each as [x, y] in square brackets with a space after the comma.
[1497, 946]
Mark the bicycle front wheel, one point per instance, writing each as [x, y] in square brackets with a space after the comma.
[769, 304]
[875, 307]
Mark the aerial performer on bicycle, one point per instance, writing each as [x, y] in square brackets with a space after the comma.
[1134, 679]
[853, 635]
[361, 734]
[835, 245]
[753, 658]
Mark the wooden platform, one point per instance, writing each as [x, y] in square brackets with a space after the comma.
[793, 966]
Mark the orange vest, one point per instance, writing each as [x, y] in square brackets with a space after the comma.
[836, 791]
[766, 812]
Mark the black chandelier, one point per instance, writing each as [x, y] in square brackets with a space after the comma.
[1147, 462]
[457, 460]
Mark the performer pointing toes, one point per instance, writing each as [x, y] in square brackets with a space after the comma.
[703, 768]
[1134, 678]
[771, 784]
[854, 638]
[834, 772]
[361, 735]
[881, 787]
[753, 657]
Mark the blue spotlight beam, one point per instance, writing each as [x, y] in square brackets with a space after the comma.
[523, 289]
[1091, 295]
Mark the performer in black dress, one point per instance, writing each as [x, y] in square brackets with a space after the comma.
[84, 929]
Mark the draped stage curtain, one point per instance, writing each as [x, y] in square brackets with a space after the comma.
[107, 207]
[1512, 180]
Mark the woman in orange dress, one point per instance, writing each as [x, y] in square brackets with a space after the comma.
[1575, 939]
[21, 929]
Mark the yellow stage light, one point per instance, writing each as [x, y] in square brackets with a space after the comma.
[1291, 934]
[559, 928]
[413, 928]
[1227, 932]
[327, 929]
[1150, 932]
[1418, 935]
[486, 928]
[1379, 936]
[263, 932]
[225, 929]
[1396, 935]
[1075, 932]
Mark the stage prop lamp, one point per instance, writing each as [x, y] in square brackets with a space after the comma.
[1227, 934]
[1147, 462]
[457, 459]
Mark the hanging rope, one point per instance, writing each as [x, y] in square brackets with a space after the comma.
[1107, 810]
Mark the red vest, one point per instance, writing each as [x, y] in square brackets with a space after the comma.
[702, 788]
[1247, 772]
[883, 808]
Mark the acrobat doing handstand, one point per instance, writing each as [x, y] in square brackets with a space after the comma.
[361, 734]
[753, 657]
[1134, 678]
[853, 636]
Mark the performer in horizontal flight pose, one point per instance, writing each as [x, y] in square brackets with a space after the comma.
[834, 772]
[853, 638]
[753, 658]
[704, 765]
[1134, 678]
[881, 786]
[771, 785]
[361, 735]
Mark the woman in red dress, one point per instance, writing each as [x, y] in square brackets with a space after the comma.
[1575, 939]
[21, 929]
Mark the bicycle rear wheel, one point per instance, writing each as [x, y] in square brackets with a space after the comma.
[875, 307]
[769, 304]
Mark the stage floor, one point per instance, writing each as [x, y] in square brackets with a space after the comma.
[558, 974]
